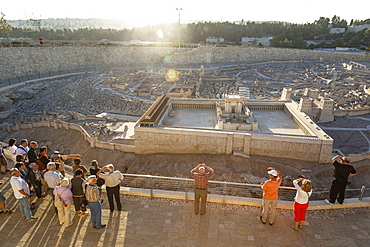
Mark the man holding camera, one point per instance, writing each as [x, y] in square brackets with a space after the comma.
[201, 183]
[341, 174]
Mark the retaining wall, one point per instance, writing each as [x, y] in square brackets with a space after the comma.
[176, 140]
[61, 124]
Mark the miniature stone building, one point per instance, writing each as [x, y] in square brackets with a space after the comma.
[275, 128]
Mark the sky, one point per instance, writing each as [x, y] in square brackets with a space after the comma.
[150, 12]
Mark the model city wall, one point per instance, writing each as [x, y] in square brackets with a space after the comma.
[22, 61]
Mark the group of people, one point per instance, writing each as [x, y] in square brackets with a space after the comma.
[34, 169]
[342, 172]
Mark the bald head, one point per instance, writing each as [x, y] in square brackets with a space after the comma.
[202, 170]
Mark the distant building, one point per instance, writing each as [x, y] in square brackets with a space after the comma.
[213, 40]
[337, 30]
[247, 41]
[318, 42]
[358, 28]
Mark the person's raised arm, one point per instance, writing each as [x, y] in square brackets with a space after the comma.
[100, 171]
[208, 168]
[335, 158]
[195, 168]
[69, 156]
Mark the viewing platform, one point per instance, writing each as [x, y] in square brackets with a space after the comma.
[168, 222]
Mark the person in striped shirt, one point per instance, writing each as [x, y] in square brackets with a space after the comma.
[201, 183]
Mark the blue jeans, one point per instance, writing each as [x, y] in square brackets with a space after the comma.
[95, 208]
[25, 207]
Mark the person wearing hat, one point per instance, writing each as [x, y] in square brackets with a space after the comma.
[93, 194]
[59, 158]
[65, 194]
[270, 195]
[112, 182]
[343, 170]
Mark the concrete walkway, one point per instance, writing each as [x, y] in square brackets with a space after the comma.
[165, 222]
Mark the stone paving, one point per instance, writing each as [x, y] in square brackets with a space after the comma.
[164, 222]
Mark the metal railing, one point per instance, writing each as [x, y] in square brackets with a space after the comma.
[222, 188]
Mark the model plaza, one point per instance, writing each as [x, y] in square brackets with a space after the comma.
[269, 121]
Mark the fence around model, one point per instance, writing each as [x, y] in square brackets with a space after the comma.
[182, 188]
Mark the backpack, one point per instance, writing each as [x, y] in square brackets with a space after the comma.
[91, 194]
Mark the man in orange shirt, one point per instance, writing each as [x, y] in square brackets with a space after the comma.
[270, 195]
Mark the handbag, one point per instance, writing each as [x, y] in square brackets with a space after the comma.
[100, 182]
[40, 164]
[58, 202]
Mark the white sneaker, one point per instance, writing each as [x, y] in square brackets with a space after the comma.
[327, 201]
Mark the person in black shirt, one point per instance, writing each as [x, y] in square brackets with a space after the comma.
[341, 174]
[95, 168]
[44, 158]
[77, 188]
[32, 153]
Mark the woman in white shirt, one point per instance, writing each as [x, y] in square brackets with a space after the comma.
[301, 201]
[12, 149]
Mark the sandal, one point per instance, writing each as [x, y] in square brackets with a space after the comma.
[300, 226]
[294, 228]
[9, 211]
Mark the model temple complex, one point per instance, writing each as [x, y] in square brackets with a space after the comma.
[268, 102]
[270, 128]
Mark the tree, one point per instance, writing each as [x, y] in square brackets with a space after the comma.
[5, 27]
[337, 22]
[355, 42]
[338, 42]
[367, 36]
[35, 26]
[324, 23]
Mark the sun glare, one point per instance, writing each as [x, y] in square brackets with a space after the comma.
[172, 75]
[160, 33]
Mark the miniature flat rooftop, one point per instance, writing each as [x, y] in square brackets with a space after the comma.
[270, 121]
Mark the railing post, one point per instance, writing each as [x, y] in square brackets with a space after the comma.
[224, 190]
[186, 191]
[362, 192]
[151, 188]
